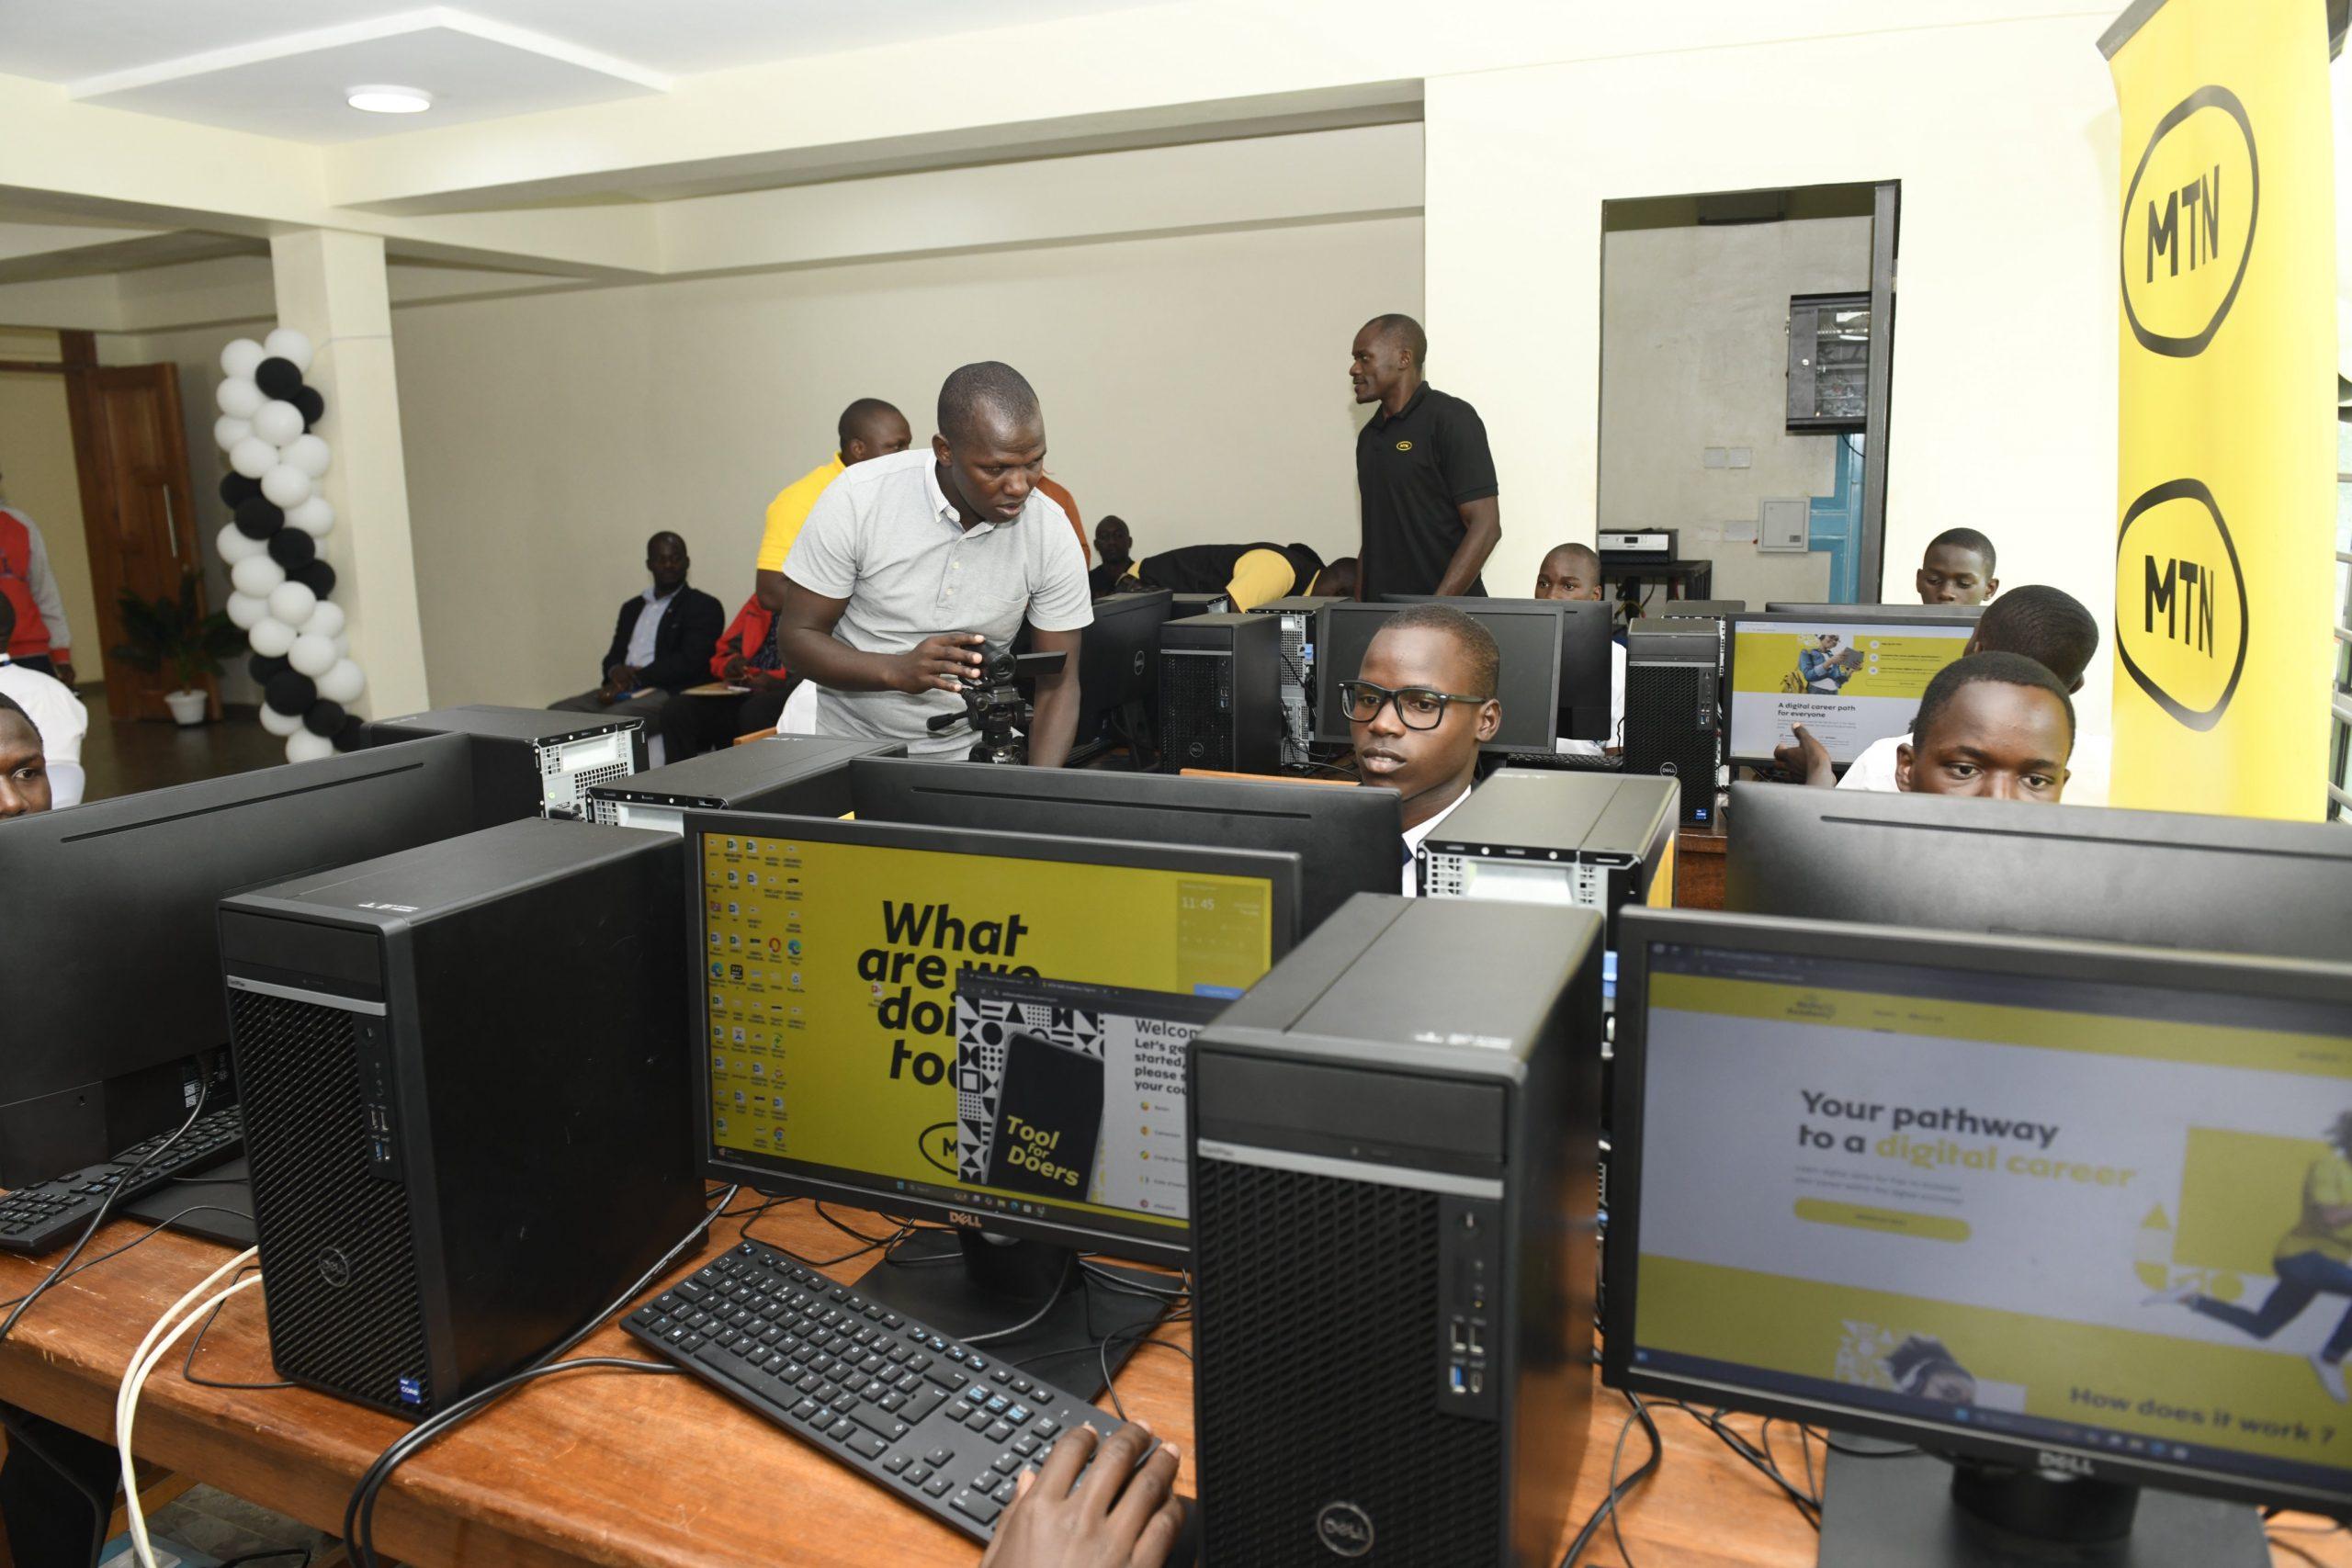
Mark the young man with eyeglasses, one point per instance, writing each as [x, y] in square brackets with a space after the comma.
[1418, 710]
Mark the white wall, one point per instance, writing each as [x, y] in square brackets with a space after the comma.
[1195, 385]
[2005, 138]
[1694, 345]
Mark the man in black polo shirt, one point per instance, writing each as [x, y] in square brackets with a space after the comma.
[1423, 471]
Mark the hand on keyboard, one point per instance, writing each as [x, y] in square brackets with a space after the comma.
[1120, 1515]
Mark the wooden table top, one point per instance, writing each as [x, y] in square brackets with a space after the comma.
[622, 1468]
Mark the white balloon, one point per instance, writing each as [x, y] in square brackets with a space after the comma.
[234, 547]
[288, 343]
[325, 621]
[343, 645]
[253, 456]
[292, 603]
[286, 486]
[245, 611]
[271, 637]
[311, 656]
[228, 430]
[304, 747]
[239, 398]
[308, 452]
[278, 723]
[314, 517]
[257, 575]
[343, 683]
[278, 422]
[240, 356]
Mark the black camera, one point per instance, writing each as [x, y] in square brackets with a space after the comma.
[999, 716]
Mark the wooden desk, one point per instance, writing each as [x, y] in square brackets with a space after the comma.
[623, 1469]
[1699, 868]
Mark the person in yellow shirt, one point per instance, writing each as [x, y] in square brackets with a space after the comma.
[2314, 1260]
[867, 428]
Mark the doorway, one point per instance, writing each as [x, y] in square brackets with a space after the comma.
[1746, 340]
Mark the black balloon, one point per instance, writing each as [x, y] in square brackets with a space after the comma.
[265, 668]
[313, 405]
[292, 548]
[258, 517]
[318, 576]
[235, 488]
[323, 718]
[278, 377]
[290, 692]
[353, 734]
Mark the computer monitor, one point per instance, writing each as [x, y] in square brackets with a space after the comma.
[1530, 682]
[1346, 840]
[110, 986]
[1850, 678]
[2157, 878]
[1587, 628]
[1118, 663]
[1680, 609]
[2042, 1209]
[982, 1029]
[1968, 613]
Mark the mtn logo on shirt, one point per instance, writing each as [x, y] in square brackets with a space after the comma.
[1404, 446]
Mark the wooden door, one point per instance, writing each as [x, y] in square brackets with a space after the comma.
[138, 510]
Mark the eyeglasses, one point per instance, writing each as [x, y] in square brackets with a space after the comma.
[1417, 708]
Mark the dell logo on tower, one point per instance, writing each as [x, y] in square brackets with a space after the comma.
[2188, 223]
[334, 1268]
[1344, 1529]
[1139, 657]
[2071, 1464]
[2181, 620]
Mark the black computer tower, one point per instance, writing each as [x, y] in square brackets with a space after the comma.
[1673, 708]
[529, 762]
[793, 775]
[1183, 606]
[467, 1094]
[1299, 616]
[1220, 693]
[1393, 1194]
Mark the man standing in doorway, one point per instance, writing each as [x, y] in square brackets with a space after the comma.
[1424, 475]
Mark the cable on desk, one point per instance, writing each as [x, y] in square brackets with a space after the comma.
[1606, 1510]
[359, 1512]
[188, 1367]
[177, 1319]
[1053, 1299]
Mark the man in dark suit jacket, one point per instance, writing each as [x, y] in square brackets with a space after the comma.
[662, 644]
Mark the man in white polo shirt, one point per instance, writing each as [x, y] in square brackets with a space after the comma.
[912, 567]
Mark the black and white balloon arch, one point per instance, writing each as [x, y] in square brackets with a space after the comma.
[282, 598]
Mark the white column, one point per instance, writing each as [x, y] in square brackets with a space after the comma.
[330, 286]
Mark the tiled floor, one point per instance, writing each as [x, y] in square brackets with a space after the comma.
[124, 756]
[212, 1522]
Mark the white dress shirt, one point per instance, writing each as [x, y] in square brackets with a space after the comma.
[1413, 837]
[1616, 711]
[1874, 769]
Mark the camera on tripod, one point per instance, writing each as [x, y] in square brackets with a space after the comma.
[999, 716]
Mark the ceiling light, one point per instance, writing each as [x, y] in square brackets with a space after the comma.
[389, 100]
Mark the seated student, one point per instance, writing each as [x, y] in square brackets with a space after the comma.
[1116, 547]
[1573, 572]
[661, 642]
[1119, 1515]
[1418, 711]
[24, 771]
[1248, 575]
[1994, 724]
[2047, 625]
[1957, 569]
[746, 657]
[55, 711]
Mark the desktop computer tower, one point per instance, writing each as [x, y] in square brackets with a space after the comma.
[1673, 680]
[1297, 614]
[790, 775]
[1598, 841]
[467, 1087]
[1183, 606]
[1393, 1254]
[529, 762]
[1220, 693]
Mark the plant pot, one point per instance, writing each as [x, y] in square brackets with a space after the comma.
[187, 707]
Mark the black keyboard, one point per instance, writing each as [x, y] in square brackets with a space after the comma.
[1566, 761]
[945, 1427]
[46, 1216]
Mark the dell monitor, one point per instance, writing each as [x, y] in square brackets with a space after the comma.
[1347, 840]
[2044, 1210]
[1850, 678]
[1529, 684]
[2157, 878]
[1587, 628]
[982, 1029]
[1118, 663]
[110, 988]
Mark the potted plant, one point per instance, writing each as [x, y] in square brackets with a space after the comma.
[170, 633]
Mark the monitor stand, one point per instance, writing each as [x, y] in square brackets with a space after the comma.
[974, 1282]
[1925, 1512]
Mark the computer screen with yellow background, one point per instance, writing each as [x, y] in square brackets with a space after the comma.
[1848, 682]
[997, 1033]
